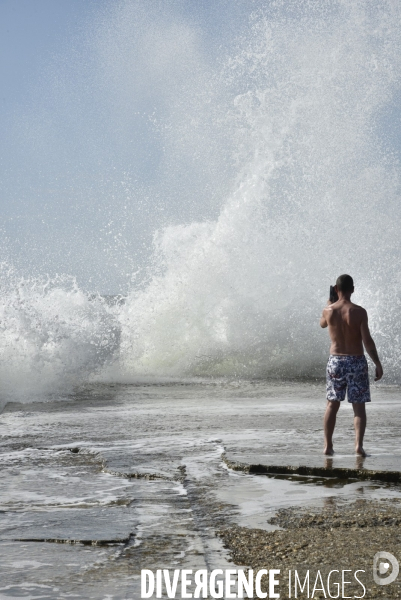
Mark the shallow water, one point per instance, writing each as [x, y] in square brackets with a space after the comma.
[134, 475]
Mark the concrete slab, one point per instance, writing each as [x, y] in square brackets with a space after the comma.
[373, 467]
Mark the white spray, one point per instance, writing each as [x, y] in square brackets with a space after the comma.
[316, 194]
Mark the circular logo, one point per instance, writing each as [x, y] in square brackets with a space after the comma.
[381, 565]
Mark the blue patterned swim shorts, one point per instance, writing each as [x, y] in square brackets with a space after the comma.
[347, 373]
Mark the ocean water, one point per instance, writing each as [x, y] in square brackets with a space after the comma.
[121, 478]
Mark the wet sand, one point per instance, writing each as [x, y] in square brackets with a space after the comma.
[114, 479]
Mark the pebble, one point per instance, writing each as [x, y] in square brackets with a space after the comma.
[340, 536]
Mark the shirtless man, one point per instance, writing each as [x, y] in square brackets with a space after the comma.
[347, 368]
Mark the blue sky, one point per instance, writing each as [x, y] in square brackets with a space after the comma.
[68, 155]
[112, 116]
[30, 33]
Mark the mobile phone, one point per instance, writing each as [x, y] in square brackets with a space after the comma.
[333, 294]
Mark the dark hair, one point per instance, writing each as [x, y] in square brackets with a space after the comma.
[345, 283]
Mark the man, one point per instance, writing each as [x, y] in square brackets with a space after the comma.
[347, 368]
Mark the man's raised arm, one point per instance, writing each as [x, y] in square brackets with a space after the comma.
[370, 346]
[323, 319]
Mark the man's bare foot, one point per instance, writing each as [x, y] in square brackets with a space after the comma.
[328, 451]
[360, 451]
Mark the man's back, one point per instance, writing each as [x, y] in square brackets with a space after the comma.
[347, 369]
[345, 321]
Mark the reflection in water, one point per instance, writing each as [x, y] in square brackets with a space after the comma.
[359, 461]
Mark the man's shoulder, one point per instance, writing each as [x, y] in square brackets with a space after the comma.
[359, 310]
[358, 306]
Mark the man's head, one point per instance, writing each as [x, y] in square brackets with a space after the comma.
[345, 284]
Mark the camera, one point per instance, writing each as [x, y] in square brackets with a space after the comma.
[333, 294]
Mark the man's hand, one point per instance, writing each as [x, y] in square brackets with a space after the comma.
[370, 345]
[379, 372]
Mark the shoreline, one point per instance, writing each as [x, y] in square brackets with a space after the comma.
[342, 535]
[143, 465]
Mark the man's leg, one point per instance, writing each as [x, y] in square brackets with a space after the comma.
[360, 426]
[329, 424]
